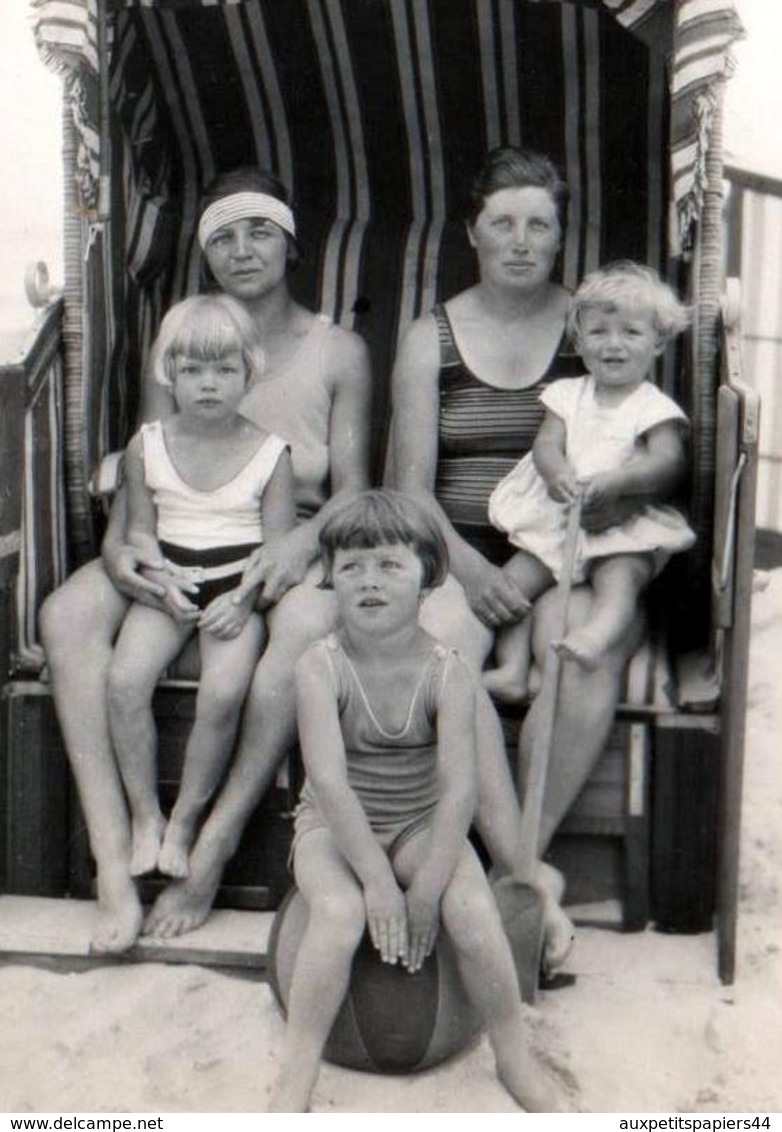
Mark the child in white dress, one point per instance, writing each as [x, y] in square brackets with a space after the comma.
[205, 487]
[610, 436]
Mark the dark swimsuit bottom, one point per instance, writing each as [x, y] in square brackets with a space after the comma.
[196, 560]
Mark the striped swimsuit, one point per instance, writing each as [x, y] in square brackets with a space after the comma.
[393, 774]
[483, 433]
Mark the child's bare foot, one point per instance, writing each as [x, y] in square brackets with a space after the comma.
[147, 836]
[586, 648]
[505, 685]
[530, 1085]
[185, 904]
[172, 862]
[173, 856]
[119, 913]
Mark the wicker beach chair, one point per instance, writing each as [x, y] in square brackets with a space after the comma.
[376, 112]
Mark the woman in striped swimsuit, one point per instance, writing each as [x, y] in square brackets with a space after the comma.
[465, 389]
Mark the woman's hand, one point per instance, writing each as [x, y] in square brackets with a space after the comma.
[124, 564]
[174, 590]
[387, 919]
[224, 617]
[494, 597]
[276, 567]
[423, 923]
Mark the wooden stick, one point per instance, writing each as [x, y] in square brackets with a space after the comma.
[546, 710]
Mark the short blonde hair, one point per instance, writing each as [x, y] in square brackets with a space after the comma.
[624, 284]
[206, 327]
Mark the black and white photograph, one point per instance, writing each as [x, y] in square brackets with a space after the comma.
[390, 559]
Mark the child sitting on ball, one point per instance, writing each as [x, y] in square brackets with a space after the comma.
[386, 724]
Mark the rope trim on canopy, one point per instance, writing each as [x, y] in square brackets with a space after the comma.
[66, 34]
[704, 34]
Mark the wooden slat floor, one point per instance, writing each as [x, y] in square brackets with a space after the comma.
[36, 927]
[55, 933]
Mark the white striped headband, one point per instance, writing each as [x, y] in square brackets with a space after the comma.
[244, 206]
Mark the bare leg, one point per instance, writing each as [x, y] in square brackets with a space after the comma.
[322, 970]
[89, 609]
[149, 640]
[585, 714]
[268, 732]
[617, 584]
[585, 711]
[471, 919]
[498, 814]
[447, 616]
[507, 681]
[226, 670]
[559, 933]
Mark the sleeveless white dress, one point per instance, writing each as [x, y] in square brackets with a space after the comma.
[599, 439]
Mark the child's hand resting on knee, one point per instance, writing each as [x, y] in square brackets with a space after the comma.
[387, 919]
[175, 598]
[223, 618]
[423, 923]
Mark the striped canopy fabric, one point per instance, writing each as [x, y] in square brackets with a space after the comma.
[376, 113]
[699, 40]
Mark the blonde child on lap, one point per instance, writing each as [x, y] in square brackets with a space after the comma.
[386, 725]
[611, 437]
[205, 487]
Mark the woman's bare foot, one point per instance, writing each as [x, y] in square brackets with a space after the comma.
[505, 685]
[290, 1095]
[173, 858]
[119, 913]
[558, 936]
[147, 836]
[530, 1085]
[558, 931]
[185, 904]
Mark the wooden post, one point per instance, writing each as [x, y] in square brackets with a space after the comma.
[12, 405]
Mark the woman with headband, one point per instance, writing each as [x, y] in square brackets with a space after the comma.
[315, 392]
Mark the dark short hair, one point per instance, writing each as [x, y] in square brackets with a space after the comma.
[384, 518]
[245, 179]
[508, 167]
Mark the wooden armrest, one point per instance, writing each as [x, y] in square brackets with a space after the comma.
[697, 683]
[107, 476]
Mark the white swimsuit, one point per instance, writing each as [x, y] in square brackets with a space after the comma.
[208, 533]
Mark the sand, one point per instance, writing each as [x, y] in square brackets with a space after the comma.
[646, 1027]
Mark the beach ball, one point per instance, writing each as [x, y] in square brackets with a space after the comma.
[391, 1021]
